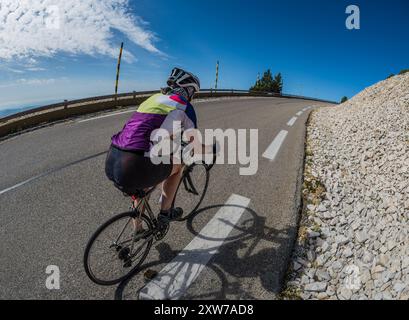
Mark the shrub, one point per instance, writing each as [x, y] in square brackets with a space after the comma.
[269, 84]
[344, 99]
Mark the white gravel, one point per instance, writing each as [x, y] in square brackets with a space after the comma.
[354, 234]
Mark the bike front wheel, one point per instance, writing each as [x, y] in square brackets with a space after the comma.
[116, 250]
[192, 190]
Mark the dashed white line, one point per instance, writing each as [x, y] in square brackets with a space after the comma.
[106, 116]
[299, 113]
[275, 146]
[292, 121]
[177, 276]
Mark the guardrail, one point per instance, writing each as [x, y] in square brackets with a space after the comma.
[67, 109]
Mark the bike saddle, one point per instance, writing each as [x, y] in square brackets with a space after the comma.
[136, 194]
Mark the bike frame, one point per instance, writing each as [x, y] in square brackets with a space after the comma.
[144, 206]
[139, 213]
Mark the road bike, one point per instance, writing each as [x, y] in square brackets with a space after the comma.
[118, 248]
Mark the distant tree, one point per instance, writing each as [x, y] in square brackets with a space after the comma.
[269, 84]
[400, 73]
[256, 86]
[344, 99]
[267, 81]
[278, 84]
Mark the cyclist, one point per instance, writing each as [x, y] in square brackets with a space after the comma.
[128, 163]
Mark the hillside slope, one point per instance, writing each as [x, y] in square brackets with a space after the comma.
[354, 234]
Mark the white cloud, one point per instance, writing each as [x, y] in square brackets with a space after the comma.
[13, 70]
[35, 69]
[38, 28]
[35, 81]
[29, 82]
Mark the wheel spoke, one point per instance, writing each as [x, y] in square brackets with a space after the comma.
[106, 259]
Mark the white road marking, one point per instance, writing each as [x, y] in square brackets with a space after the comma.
[106, 116]
[176, 277]
[292, 121]
[50, 172]
[19, 184]
[275, 146]
[299, 113]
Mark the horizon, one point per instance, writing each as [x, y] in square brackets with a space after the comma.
[72, 51]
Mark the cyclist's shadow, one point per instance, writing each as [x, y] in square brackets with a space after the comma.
[252, 250]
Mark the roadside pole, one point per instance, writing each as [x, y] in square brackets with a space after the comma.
[217, 75]
[117, 70]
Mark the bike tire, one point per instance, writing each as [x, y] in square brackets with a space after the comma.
[187, 215]
[94, 237]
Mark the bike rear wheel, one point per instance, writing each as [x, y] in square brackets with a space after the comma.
[191, 190]
[114, 252]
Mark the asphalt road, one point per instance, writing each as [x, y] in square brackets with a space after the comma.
[54, 194]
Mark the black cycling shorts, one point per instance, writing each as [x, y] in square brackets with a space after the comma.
[132, 171]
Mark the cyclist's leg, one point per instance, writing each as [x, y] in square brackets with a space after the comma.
[137, 223]
[169, 187]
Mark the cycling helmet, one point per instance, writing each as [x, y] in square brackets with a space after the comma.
[182, 79]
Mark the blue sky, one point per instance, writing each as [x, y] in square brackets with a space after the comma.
[306, 41]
